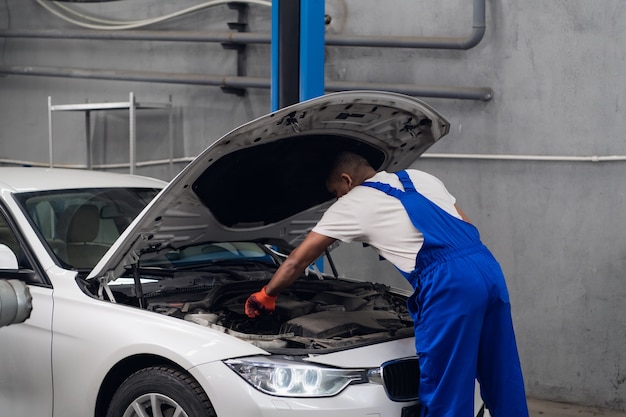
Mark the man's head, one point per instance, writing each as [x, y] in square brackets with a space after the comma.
[347, 171]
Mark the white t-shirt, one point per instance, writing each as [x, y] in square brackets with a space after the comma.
[368, 215]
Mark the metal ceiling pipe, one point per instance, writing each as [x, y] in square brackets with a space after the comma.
[142, 35]
[478, 31]
[147, 76]
[464, 93]
[420, 42]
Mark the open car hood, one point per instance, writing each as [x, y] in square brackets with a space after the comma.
[265, 180]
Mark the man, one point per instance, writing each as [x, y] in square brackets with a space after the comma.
[461, 310]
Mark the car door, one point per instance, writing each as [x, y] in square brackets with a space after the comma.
[25, 348]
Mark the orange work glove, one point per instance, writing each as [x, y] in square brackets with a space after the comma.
[259, 303]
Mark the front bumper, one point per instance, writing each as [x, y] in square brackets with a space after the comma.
[232, 396]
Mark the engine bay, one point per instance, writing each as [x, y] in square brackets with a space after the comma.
[317, 312]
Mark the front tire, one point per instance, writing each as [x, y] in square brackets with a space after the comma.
[160, 391]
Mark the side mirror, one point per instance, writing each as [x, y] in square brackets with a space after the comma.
[16, 302]
[8, 260]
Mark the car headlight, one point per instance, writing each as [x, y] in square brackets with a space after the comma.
[287, 378]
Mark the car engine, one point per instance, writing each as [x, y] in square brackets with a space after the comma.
[314, 313]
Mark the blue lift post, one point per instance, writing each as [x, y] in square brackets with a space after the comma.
[285, 53]
[311, 49]
[312, 57]
[274, 57]
[297, 55]
[297, 51]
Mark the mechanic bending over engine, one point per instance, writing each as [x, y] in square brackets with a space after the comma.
[460, 306]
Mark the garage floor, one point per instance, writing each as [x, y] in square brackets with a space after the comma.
[540, 408]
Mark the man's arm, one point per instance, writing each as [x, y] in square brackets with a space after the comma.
[463, 215]
[311, 248]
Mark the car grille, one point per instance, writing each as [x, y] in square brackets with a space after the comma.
[401, 379]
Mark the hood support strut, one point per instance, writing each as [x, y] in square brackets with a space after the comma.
[138, 287]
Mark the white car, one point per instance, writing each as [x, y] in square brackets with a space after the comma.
[138, 286]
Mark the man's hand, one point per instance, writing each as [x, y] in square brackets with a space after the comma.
[308, 251]
[259, 303]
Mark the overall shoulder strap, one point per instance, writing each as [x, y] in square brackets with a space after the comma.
[406, 181]
[385, 188]
[392, 191]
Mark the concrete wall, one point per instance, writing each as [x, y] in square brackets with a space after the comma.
[557, 69]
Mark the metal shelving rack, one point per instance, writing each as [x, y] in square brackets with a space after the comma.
[132, 105]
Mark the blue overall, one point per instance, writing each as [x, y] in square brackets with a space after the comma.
[462, 315]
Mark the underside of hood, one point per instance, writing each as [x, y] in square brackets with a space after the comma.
[266, 179]
[282, 160]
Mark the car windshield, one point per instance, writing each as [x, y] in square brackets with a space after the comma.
[211, 254]
[202, 265]
[80, 225]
